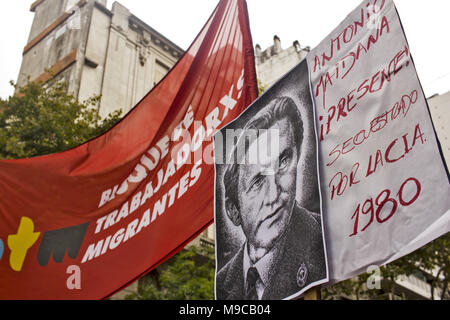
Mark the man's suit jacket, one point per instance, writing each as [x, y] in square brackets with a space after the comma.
[301, 263]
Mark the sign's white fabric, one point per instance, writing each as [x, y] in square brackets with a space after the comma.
[385, 190]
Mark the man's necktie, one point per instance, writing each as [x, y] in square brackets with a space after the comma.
[252, 277]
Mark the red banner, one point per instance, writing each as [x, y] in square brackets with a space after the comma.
[116, 207]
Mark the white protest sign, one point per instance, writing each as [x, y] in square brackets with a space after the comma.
[384, 187]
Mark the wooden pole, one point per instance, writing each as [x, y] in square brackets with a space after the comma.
[313, 294]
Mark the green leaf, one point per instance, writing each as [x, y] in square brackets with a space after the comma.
[38, 121]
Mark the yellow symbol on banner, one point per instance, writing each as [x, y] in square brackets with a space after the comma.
[20, 243]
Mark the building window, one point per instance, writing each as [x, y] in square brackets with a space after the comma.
[160, 71]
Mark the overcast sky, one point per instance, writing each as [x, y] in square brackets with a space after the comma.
[426, 24]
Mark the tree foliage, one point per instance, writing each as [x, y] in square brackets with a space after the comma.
[38, 121]
[188, 276]
[261, 88]
[430, 264]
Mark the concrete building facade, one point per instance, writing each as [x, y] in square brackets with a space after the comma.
[440, 113]
[274, 62]
[97, 51]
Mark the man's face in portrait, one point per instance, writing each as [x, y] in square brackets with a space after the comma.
[266, 190]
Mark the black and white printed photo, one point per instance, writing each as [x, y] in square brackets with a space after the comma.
[269, 234]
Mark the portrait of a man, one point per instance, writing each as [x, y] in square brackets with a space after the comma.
[281, 251]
